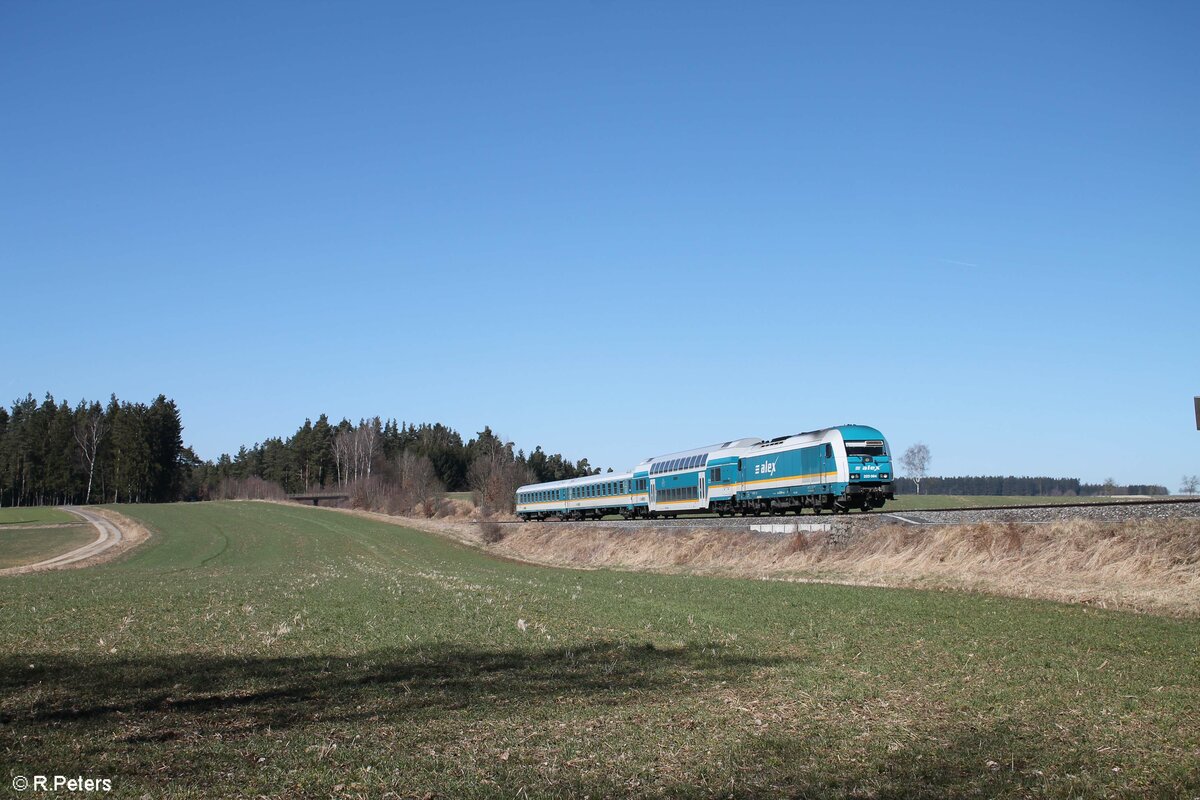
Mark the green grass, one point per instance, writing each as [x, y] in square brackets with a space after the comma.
[260, 650]
[22, 546]
[25, 515]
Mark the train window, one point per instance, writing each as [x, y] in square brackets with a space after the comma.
[715, 475]
[864, 449]
[828, 450]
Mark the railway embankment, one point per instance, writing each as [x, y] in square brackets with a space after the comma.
[1144, 558]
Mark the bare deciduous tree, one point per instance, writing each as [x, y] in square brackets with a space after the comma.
[354, 451]
[419, 484]
[494, 477]
[915, 462]
[1189, 484]
[89, 433]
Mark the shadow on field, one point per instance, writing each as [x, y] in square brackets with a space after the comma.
[988, 759]
[393, 686]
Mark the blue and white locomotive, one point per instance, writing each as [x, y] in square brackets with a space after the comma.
[834, 469]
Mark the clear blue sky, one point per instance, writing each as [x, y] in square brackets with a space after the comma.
[617, 229]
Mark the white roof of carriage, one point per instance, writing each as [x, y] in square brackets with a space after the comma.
[586, 480]
[712, 449]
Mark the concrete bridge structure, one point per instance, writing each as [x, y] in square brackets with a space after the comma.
[316, 497]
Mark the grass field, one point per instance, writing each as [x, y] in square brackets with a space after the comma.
[262, 650]
[21, 546]
[26, 515]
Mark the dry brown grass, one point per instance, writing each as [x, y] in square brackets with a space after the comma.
[1150, 565]
[1147, 565]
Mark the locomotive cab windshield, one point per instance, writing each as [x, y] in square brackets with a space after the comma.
[866, 449]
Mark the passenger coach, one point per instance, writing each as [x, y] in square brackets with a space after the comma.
[834, 469]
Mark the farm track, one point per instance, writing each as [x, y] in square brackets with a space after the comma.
[1032, 512]
[116, 535]
[110, 536]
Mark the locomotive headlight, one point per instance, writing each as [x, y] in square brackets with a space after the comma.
[853, 476]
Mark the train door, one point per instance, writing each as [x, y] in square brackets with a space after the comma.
[653, 498]
[702, 494]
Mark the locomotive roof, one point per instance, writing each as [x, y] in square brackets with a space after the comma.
[849, 433]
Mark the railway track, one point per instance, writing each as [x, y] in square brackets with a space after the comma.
[751, 519]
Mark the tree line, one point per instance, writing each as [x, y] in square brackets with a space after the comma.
[52, 453]
[321, 455]
[1012, 486]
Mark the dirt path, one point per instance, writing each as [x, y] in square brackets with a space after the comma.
[116, 535]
